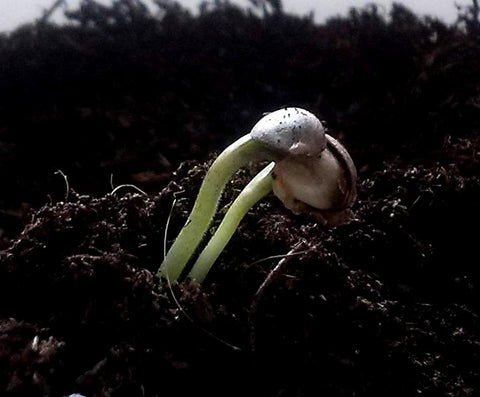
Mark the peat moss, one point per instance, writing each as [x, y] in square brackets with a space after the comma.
[384, 305]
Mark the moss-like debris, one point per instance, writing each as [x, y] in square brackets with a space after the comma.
[385, 305]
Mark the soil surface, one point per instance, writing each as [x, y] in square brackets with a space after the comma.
[385, 305]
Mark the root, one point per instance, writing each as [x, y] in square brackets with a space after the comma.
[67, 185]
[274, 274]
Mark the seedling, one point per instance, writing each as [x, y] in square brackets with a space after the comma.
[310, 172]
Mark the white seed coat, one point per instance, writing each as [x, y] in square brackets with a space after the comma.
[314, 172]
[291, 131]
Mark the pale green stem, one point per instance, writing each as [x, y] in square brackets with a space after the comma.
[238, 154]
[258, 188]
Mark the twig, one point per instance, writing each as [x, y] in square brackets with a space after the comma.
[49, 12]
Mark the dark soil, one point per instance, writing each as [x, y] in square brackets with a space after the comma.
[386, 305]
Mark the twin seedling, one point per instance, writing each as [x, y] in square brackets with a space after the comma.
[310, 172]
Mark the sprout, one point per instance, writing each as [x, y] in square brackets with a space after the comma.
[258, 188]
[311, 173]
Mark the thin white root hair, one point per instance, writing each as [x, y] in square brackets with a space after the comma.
[129, 186]
[271, 277]
[67, 185]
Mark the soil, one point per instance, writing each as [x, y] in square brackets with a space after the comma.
[385, 305]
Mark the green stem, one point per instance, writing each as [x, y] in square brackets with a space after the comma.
[238, 154]
[258, 188]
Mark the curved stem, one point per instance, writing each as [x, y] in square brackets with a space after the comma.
[238, 154]
[258, 187]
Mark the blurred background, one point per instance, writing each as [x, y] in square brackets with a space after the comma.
[123, 91]
[16, 12]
